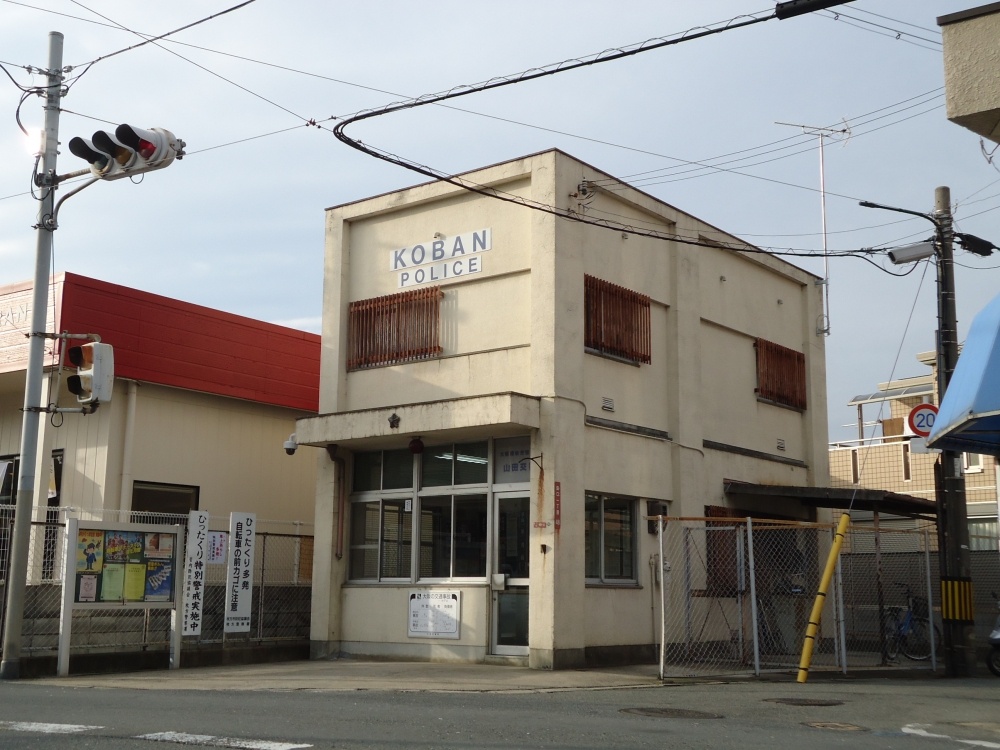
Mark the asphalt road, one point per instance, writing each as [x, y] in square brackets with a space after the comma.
[746, 714]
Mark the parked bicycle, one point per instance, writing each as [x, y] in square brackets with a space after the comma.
[908, 631]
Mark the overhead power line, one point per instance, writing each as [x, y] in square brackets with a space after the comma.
[535, 73]
[899, 35]
[697, 168]
[606, 56]
[894, 20]
[154, 39]
[493, 192]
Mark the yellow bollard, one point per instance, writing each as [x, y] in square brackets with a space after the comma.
[817, 610]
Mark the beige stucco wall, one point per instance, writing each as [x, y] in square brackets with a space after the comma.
[389, 629]
[480, 351]
[518, 327]
[230, 449]
[971, 61]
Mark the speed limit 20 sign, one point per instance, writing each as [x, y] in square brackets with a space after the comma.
[921, 419]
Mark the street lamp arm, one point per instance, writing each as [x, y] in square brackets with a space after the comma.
[929, 217]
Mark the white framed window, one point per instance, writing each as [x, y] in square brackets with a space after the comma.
[453, 531]
[972, 463]
[609, 538]
[420, 517]
[381, 539]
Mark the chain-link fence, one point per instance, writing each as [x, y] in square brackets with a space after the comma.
[281, 590]
[738, 595]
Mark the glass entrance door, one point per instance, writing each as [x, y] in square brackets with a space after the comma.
[510, 604]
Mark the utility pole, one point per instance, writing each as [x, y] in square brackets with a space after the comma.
[17, 575]
[952, 521]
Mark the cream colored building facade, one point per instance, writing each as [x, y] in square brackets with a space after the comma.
[194, 421]
[506, 396]
[897, 461]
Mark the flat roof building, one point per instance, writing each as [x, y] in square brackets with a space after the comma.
[511, 387]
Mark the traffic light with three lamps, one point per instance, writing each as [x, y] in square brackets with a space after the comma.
[94, 380]
[128, 152]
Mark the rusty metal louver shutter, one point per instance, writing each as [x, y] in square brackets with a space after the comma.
[781, 374]
[395, 328]
[617, 321]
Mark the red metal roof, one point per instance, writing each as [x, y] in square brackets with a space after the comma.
[169, 342]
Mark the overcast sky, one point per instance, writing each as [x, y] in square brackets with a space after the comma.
[238, 224]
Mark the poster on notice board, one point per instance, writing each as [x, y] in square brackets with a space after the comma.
[121, 565]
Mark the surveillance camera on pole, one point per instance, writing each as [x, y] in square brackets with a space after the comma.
[130, 151]
[912, 253]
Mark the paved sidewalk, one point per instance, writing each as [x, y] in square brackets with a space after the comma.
[354, 674]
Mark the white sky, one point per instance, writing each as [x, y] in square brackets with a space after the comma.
[240, 227]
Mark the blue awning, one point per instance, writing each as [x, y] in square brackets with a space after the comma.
[969, 417]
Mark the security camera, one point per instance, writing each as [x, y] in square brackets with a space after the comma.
[912, 253]
[291, 445]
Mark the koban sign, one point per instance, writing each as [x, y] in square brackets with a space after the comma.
[440, 259]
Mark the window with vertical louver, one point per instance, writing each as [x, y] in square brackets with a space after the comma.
[396, 328]
[781, 374]
[617, 321]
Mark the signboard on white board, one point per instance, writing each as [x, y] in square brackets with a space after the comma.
[239, 573]
[434, 614]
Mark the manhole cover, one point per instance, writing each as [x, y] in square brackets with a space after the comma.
[670, 713]
[835, 725]
[804, 701]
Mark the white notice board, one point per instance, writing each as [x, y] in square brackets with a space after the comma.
[434, 614]
[239, 575]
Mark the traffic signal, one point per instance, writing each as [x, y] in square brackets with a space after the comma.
[95, 372]
[128, 152]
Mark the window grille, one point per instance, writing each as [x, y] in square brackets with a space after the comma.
[781, 374]
[617, 321]
[396, 328]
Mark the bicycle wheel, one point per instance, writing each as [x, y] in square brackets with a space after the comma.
[890, 636]
[993, 661]
[916, 644]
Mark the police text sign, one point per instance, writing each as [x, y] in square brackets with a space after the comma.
[441, 259]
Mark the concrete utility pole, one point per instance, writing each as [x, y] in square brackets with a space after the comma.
[952, 523]
[17, 575]
[957, 610]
